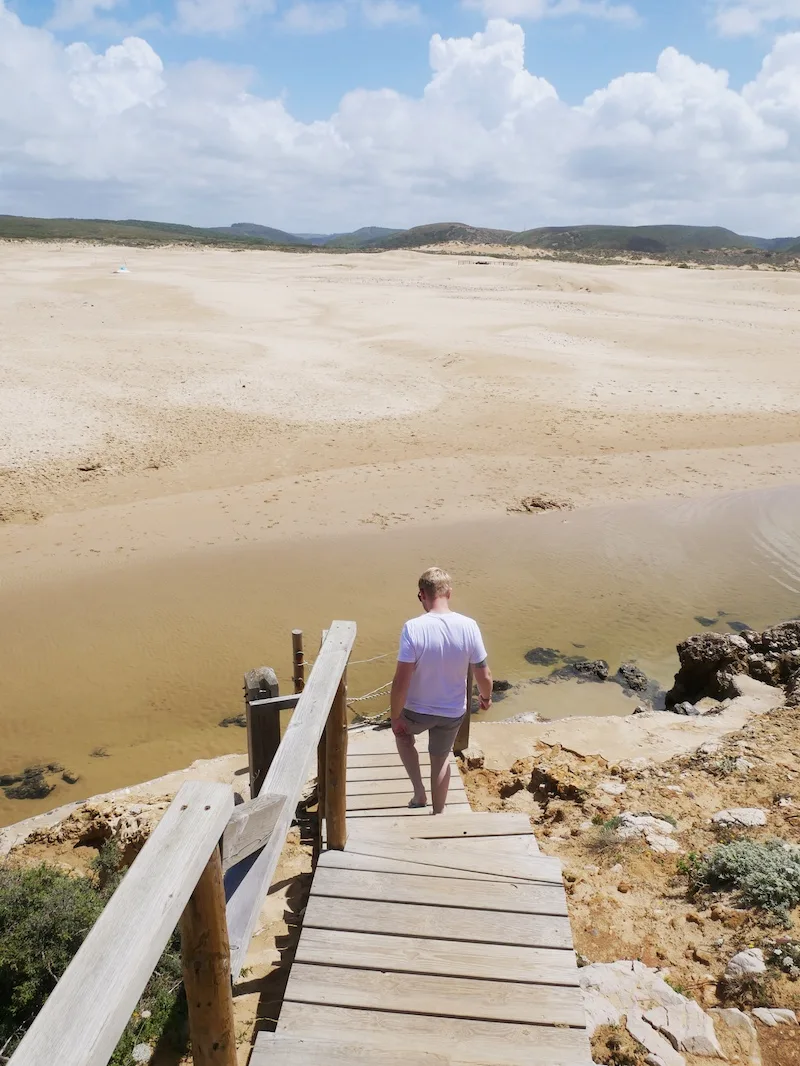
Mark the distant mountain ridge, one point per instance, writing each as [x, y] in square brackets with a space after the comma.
[655, 240]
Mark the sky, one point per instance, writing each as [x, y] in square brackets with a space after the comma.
[327, 115]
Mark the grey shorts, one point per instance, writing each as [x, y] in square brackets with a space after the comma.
[442, 731]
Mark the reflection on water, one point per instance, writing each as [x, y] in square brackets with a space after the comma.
[146, 661]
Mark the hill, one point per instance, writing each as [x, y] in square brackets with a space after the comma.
[441, 233]
[264, 233]
[656, 239]
[135, 231]
[359, 238]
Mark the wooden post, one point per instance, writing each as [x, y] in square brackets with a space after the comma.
[206, 960]
[462, 740]
[336, 761]
[299, 662]
[322, 775]
[263, 725]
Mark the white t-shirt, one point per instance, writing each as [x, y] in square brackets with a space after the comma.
[442, 646]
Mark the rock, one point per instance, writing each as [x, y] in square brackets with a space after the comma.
[624, 887]
[613, 788]
[142, 1053]
[234, 719]
[749, 817]
[751, 960]
[32, 785]
[543, 656]
[688, 709]
[737, 1034]
[501, 686]
[687, 1027]
[656, 832]
[652, 1041]
[631, 677]
[611, 990]
[773, 1016]
[597, 670]
[473, 757]
[706, 623]
[742, 765]
[708, 663]
[70, 777]
[781, 639]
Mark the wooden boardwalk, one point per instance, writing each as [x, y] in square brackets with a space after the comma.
[430, 940]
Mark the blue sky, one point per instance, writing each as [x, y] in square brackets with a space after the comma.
[235, 106]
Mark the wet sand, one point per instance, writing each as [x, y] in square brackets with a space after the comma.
[271, 441]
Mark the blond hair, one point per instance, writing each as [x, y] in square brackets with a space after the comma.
[435, 582]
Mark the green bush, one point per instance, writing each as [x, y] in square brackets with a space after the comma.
[45, 915]
[765, 875]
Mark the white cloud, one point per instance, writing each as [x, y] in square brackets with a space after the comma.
[539, 9]
[315, 16]
[389, 12]
[218, 16]
[71, 13]
[742, 18]
[117, 133]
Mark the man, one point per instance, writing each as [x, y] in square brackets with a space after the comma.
[429, 691]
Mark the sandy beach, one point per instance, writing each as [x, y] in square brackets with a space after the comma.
[335, 411]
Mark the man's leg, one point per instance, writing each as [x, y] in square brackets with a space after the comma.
[407, 749]
[440, 781]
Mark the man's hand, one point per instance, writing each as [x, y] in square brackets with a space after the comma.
[400, 685]
[485, 702]
[399, 727]
[483, 679]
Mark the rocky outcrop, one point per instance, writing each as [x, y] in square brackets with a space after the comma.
[711, 661]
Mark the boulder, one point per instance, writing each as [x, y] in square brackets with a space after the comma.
[708, 663]
[652, 1041]
[773, 1016]
[749, 961]
[611, 990]
[738, 1035]
[656, 832]
[781, 639]
[613, 788]
[689, 709]
[748, 817]
[687, 1027]
[631, 677]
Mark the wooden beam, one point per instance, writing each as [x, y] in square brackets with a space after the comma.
[86, 1013]
[462, 737]
[336, 770]
[250, 828]
[287, 776]
[298, 660]
[206, 958]
[278, 703]
[263, 726]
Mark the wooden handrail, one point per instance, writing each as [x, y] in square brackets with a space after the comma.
[286, 777]
[87, 1011]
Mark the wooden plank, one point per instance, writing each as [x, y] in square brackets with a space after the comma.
[406, 812]
[286, 777]
[505, 847]
[348, 860]
[90, 1006]
[206, 965]
[391, 772]
[476, 824]
[298, 660]
[386, 785]
[462, 737]
[437, 853]
[362, 760]
[250, 827]
[475, 1042]
[452, 997]
[276, 703]
[336, 769]
[442, 958]
[288, 1049]
[402, 888]
[263, 723]
[397, 800]
[442, 923]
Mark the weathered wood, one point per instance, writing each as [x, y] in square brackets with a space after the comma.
[287, 776]
[476, 824]
[336, 776]
[276, 703]
[391, 771]
[380, 801]
[375, 760]
[404, 888]
[206, 958]
[462, 737]
[467, 1040]
[412, 919]
[263, 724]
[250, 828]
[298, 660]
[349, 860]
[383, 788]
[458, 806]
[501, 1001]
[285, 1049]
[90, 1006]
[437, 853]
[441, 958]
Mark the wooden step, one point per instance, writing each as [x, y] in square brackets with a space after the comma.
[289, 1049]
[457, 826]
[469, 1041]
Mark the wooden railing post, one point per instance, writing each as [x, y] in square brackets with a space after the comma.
[336, 776]
[299, 661]
[462, 739]
[206, 956]
[263, 725]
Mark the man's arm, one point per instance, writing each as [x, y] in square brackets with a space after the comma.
[400, 686]
[483, 679]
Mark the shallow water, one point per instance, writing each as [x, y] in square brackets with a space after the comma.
[146, 660]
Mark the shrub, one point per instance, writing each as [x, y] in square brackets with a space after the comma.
[766, 875]
[45, 914]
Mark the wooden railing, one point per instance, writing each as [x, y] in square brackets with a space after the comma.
[207, 867]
